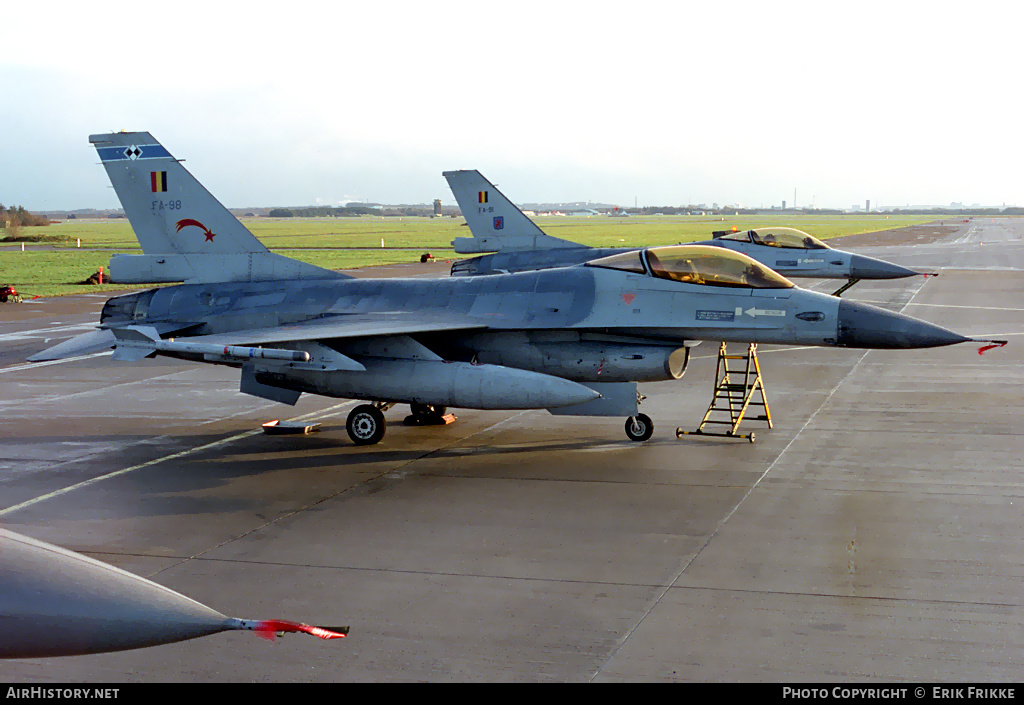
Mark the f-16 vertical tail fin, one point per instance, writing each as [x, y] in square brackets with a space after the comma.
[496, 223]
[186, 234]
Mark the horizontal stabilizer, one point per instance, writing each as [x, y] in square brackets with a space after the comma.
[212, 269]
[85, 344]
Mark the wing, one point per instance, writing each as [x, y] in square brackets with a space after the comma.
[298, 346]
[340, 326]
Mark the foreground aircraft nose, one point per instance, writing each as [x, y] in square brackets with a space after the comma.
[862, 267]
[55, 602]
[866, 326]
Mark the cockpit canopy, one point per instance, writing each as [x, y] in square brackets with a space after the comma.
[697, 264]
[790, 238]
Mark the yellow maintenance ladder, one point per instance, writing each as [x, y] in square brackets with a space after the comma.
[734, 395]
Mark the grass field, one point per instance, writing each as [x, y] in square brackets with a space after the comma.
[53, 269]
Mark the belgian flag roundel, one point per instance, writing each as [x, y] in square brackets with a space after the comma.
[158, 180]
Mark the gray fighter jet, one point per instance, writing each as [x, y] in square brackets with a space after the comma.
[499, 227]
[573, 340]
[55, 602]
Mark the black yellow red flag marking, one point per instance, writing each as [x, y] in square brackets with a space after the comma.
[158, 181]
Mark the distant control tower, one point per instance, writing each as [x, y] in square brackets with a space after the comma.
[437, 207]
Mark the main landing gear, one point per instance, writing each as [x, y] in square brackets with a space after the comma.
[428, 415]
[366, 424]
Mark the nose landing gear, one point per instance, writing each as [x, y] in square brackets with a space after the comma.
[639, 427]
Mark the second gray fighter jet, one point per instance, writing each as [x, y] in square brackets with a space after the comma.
[517, 244]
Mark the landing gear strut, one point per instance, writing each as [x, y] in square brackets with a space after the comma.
[428, 415]
[839, 292]
[427, 411]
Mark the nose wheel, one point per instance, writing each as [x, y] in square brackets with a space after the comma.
[639, 428]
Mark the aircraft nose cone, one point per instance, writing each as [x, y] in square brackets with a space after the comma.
[866, 326]
[863, 267]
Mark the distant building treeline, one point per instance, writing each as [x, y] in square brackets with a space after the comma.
[419, 210]
[353, 211]
[17, 216]
[698, 210]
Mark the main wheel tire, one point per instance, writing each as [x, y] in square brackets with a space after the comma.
[639, 427]
[366, 425]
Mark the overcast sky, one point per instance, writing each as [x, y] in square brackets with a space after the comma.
[656, 103]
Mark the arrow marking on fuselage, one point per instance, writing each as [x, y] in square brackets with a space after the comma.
[755, 312]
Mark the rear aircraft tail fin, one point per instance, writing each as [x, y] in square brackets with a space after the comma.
[186, 234]
[496, 224]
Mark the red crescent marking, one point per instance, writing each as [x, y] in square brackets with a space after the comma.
[185, 222]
